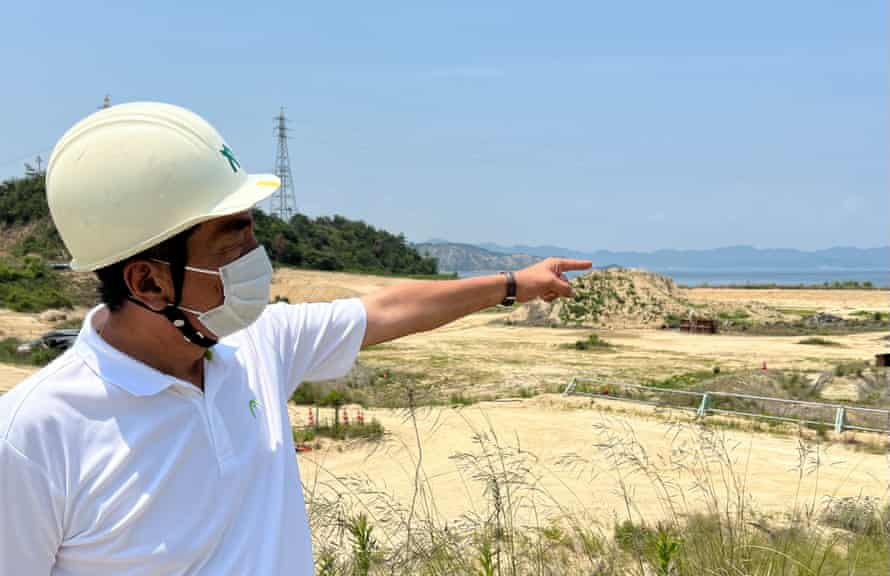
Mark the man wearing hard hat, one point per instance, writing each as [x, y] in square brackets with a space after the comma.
[160, 442]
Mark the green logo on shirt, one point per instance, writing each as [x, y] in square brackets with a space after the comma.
[253, 405]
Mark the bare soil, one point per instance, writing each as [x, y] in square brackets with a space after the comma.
[570, 473]
[838, 302]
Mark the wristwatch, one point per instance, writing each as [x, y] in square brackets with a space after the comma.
[510, 299]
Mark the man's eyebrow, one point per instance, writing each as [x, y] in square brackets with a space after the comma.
[236, 224]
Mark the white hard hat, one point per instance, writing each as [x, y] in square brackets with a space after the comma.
[128, 177]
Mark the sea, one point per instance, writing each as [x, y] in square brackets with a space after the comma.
[758, 276]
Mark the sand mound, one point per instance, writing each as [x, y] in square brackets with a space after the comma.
[611, 298]
[630, 298]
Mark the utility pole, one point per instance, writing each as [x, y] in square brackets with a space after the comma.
[284, 202]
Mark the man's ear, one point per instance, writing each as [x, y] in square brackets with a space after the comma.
[149, 282]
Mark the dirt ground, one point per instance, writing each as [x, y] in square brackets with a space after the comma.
[838, 302]
[557, 438]
[477, 356]
[12, 375]
[481, 355]
[22, 326]
[317, 286]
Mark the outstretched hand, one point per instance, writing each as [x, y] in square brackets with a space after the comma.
[547, 280]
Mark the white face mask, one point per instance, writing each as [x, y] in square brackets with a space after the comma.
[246, 283]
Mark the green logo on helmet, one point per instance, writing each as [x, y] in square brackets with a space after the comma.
[253, 405]
[230, 156]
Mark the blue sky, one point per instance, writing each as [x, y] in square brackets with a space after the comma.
[619, 125]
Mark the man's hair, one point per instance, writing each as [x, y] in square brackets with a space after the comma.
[112, 287]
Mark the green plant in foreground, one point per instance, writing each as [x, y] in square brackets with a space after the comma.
[666, 551]
[485, 557]
[364, 545]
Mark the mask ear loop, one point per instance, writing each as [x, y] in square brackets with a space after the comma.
[176, 316]
[171, 311]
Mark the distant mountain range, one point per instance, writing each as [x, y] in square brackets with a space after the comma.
[454, 257]
[468, 258]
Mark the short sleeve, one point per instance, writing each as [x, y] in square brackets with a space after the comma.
[31, 523]
[318, 341]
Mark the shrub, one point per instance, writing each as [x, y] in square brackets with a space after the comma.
[734, 316]
[819, 341]
[846, 368]
[858, 515]
[310, 393]
[526, 392]
[30, 286]
[37, 356]
[684, 380]
[593, 342]
[370, 431]
[458, 399]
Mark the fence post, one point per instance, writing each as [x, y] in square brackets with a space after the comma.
[839, 420]
[703, 407]
[570, 387]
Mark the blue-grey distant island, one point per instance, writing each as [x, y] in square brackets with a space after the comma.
[718, 266]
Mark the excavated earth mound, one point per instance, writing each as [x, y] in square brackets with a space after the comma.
[630, 298]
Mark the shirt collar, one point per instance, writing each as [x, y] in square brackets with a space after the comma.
[137, 378]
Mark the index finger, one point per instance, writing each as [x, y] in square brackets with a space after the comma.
[566, 264]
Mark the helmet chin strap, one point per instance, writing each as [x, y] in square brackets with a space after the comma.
[172, 312]
[181, 322]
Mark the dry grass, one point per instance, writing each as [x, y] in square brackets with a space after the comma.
[551, 427]
[701, 512]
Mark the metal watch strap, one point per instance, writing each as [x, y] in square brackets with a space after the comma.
[510, 299]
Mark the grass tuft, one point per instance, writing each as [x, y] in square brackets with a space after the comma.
[819, 341]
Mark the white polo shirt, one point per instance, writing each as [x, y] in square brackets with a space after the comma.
[108, 466]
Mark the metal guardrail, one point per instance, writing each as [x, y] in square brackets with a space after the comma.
[840, 417]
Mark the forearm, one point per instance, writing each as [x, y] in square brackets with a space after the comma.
[412, 307]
